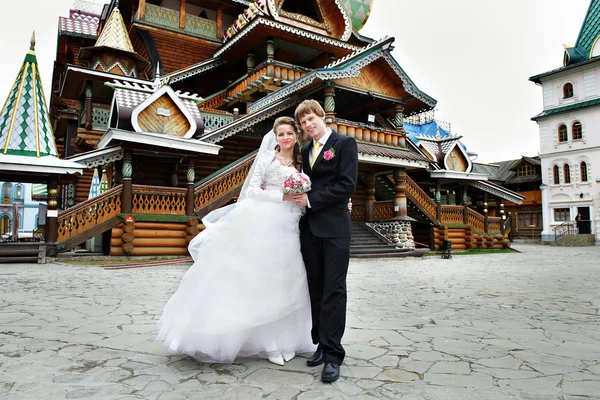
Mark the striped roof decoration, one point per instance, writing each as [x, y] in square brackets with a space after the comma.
[114, 34]
[25, 127]
[359, 11]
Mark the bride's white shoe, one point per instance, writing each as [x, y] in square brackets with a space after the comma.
[289, 356]
[276, 360]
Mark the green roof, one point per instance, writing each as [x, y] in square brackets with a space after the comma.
[590, 30]
[570, 107]
[25, 128]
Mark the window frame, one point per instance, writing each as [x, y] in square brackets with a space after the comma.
[571, 93]
[562, 214]
[583, 172]
[556, 174]
[566, 133]
[578, 131]
[567, 173]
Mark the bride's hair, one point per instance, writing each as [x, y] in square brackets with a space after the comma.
[291, 122]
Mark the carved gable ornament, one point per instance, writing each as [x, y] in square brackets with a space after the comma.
[456, 159]
[163, 112]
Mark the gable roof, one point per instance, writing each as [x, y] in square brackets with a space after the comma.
[590, 30]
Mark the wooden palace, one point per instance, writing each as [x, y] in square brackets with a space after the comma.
[168, 101]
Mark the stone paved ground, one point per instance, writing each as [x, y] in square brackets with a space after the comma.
[504, 326]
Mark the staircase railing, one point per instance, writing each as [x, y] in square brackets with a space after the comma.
[564, 229]
[452, 214]
[158, 200]
[476, 220]
[494, 224]
[506, 225]
[89, 213]
[421, 200]
[223, 181]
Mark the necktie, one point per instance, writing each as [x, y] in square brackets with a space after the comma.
[315, 154]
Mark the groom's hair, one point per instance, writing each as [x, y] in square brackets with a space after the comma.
[308, 107]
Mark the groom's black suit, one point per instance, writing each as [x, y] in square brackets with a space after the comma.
[325, 239]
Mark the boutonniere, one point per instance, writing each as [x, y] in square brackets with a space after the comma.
[329, 154]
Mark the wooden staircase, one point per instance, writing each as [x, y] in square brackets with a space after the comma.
[19, 252]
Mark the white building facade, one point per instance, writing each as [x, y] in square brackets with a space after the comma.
[16, 199]
[569, 129]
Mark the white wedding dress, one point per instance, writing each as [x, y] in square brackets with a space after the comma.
[246, 294]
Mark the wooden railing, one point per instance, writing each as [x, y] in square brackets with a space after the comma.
[383, 211]
[214, 102]
[222, 181]
[215, 119]
[89, 213]
[359, 212]
[421, 200]
[476, 220]
[171, 19]
[506, 226]
[494, 224]
[158, 200]
[452, 214]
[368, 133]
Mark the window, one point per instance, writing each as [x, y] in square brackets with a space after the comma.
[19, 193]
[567, 173]
[556, 175]
[583, 171]
[562, 214]
[527, 219]
[6, 193]
[526, 170]
[577, 131]
[567, 90]
[562, 133]
[4, 225]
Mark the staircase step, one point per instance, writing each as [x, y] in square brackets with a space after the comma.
[21, 259]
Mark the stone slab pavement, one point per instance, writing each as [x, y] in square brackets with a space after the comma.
[486, 327]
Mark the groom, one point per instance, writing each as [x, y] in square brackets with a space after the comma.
[331, 162]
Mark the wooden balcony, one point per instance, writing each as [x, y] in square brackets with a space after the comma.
[367, 133]
[177, 21]
[266, 77]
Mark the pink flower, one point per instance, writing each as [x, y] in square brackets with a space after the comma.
[329, 154]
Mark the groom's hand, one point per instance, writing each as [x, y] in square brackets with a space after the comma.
[301, 199]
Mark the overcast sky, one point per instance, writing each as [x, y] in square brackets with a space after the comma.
[473, 56]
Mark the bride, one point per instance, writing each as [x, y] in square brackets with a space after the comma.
[246, 294]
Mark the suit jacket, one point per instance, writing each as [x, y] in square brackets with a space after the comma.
[333, 182]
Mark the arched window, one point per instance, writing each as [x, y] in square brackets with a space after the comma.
[562, 133]
[19, 193]
[567, 173]
[577, 132]
[7, 193]
[4, 224]
[567, 90]
[556, 175]
[583, 171]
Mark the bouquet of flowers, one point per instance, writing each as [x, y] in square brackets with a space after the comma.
[297, 182]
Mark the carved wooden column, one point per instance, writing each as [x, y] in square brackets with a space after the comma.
[181, 14]
[370, 200]
[400, 208]
[399, 121]
[189, 196]
[485, 212]
[142, 9]
[270, 58]
[329, 101]
[438, 200]
[88, 105]
[127, 193]
[250, 63]
[174, 176]
[52, 212]
[465, 198]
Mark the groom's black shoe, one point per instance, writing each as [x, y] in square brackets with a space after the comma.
[315, 359]
[331, 372]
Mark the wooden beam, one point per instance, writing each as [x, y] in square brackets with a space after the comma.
[142, 9]
[181, 14]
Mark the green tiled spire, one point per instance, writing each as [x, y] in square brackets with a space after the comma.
[25, 128]
[588, 35]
